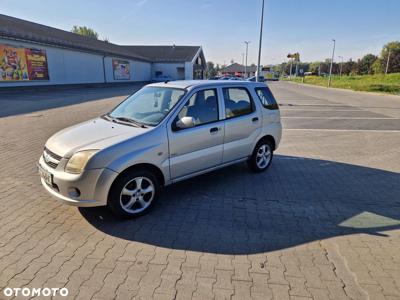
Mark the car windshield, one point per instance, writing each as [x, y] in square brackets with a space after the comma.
[148, 106]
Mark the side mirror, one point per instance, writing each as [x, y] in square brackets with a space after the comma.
[185, 122]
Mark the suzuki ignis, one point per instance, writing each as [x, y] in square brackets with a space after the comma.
[162, 134]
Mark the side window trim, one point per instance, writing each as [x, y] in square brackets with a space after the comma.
[253, 105]
[174, 129]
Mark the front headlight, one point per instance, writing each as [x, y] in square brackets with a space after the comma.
[78, 161]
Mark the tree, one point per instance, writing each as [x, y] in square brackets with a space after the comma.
[314, 67]
[211, 71]
[394, 61]
[86, 31]
[349, 67]
[377, 66]
[364, 65]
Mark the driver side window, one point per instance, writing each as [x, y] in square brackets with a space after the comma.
[202, 107]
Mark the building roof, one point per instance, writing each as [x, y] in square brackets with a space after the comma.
[238, 68]
[166, 53]
[23, 30]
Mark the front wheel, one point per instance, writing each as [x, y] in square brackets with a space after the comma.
[261, 157]
[133, 193]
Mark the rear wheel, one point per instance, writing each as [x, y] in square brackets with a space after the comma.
[261, 157]
[133, 193]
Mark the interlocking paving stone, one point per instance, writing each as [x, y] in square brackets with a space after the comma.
[322, 223]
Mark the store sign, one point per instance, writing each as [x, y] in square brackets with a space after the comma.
[121, 69]
[18, 64]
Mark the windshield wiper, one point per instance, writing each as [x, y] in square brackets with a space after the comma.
[128, 120]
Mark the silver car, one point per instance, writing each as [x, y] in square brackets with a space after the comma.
[163, 133]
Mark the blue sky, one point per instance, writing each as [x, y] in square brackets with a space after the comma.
[221, 26]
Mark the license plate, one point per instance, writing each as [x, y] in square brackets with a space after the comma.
[47, 176]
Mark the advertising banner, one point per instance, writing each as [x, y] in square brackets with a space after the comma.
[121, 69]
[37, 64]
[17, 64]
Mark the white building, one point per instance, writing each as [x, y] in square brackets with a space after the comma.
[34, 54]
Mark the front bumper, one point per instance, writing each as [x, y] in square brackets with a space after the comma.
[93, 185]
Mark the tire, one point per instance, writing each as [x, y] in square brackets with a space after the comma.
[127, 199]
[254, 161]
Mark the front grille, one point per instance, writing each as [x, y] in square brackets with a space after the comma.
[51, 164]
[51, 159]
[52, 154]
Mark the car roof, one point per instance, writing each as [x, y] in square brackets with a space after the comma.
[186, 84]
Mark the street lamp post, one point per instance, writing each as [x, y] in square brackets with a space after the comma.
[330, 69]
[259, 45]
[341, 65]
[387, 63]
[247, 50]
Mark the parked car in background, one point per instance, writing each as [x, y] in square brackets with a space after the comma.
[214, 78]
[225, 78]
[161, 78]
[253, 78]
[162, 134]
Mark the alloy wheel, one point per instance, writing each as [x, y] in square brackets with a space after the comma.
[137, 195]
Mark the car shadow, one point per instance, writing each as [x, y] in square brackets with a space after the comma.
[32, 99]
[234, 211]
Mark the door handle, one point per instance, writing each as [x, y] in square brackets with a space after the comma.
[254, 119]
[214, 129]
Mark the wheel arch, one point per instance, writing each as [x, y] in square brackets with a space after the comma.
[145, 166]
[270, 139]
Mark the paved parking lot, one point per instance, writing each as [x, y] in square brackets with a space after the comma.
[322, 223]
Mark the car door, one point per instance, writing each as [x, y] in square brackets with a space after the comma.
[242, 123]
[199, 147]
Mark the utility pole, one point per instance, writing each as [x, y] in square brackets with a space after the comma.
[291, 66]
[330, 69]
[242, 65]
[341, 65]
[247, 50]
[259, 45]
[387, 63]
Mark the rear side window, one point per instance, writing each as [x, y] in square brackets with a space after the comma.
[237, 102]
[267, 98]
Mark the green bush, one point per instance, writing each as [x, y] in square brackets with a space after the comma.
[389, 83]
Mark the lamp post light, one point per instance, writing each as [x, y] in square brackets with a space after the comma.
[330, 69]
[341, 65]
[247, 50]
[260, 43]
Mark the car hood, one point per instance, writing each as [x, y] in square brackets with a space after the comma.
[93, 134]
